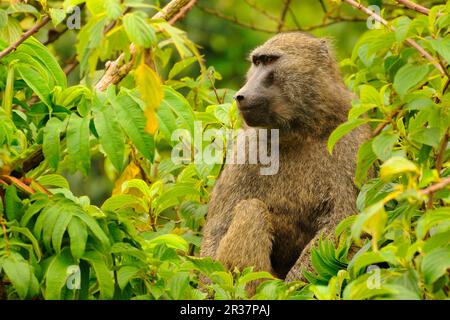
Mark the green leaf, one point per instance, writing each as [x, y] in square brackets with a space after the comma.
[41, 53]
[57, 15]
[442, 46]
[3, 19]
[167, 123]
[396, 166]
[32, 210]
[125, 274]
[59, 229]
[383, 144]
[370, 95]
[27, 233]
[342, 130]
[51, 143]
[57, 275]
[254, 276]
[432, 218]
[206, 265]
[371, 220]
[180, 66]
[428, 136]
[181, 107]
[132, 120]
[13, 204]
[78, 236]
[178, 284]
[138, 30]
[103, 274]
[178, 38]
[119, 201]
[409, 76]
[18, 272]
[224, 279]
[111, 135]
[11, 32]
[401, 28]
[170, 240]
[365, 158]
[435, 264]
[78, 142]
[369, 258]
[113, 9]
[53, 180]
[35, 81]
[94, 227]
[46, 219]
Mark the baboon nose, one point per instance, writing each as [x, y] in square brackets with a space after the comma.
[239, 97]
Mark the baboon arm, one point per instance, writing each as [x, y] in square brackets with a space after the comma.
[248, 241]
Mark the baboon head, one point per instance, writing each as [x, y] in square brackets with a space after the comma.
[293, 83]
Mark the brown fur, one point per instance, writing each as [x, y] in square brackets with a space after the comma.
[270, 222]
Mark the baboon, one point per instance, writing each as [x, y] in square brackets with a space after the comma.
[271, 222]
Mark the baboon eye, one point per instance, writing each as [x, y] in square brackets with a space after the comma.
[256, 60]
[264, 59]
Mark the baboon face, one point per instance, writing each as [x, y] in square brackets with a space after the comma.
[283, 81]
[258, 99]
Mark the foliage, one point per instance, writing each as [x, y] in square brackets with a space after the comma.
[143, 241]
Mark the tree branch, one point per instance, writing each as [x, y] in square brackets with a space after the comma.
[409, 41]
[414, 6]
[183, 11]
[435, 187]
[116, 70]
[25, 36]
[172, 9]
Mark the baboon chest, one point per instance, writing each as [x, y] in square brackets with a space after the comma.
[294, 200]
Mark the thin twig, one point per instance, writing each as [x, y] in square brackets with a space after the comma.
[381, 126]
[414, 6]
[409, 41]
[284, 10]
[71, 65]
[54, 35]
[234, 20]
[322, 5]
[113, 23]
[25, 36]
[435, 187]
[261, 10]
[294, 18]
[253, 27]
[214, 88]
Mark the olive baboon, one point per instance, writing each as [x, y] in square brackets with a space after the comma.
[271, 221]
